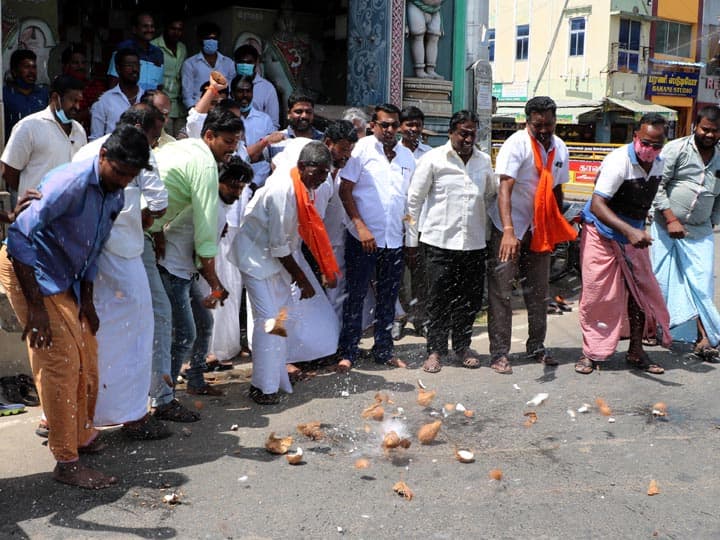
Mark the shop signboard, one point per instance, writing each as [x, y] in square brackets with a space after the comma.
[673, 83]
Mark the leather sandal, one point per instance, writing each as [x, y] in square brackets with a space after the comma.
[584, 366]
[502, 365]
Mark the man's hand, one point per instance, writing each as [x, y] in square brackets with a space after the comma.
[87, 310]
[159, 244]
[509, 246]
[329, 283]
[639, 239]
[37, 329]
[306, 289]
[275, 137]
[676, 229]
[218, 294]
[23, 202]
[410, 256]
[366, 239]
[146, 218]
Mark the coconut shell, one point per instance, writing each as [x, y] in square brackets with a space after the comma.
[311, 430]
[653, 488]
[402, 489]
[464, 456]
[218, 77]
[296, 457]
[362, 463]
[496, 474]
[391, 440]
[278, 445]
[428, 432]
[374, 411]
[425, 397]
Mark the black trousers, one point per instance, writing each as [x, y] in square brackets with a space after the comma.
[455, 291]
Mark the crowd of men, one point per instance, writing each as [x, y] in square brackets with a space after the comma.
[128, 256]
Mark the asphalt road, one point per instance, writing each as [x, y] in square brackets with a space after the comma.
[579, 475]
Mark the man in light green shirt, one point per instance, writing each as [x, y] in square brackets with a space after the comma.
[189, 169]
[175, 53]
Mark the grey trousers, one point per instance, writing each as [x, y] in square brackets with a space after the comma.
[533, 271]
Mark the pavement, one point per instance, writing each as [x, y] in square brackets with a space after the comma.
[569, 474]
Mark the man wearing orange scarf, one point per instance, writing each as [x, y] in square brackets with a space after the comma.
[531, 166]
[277, 277]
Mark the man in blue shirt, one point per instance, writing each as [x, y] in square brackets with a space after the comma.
[47, 269]
[21, 95]
[151, 56]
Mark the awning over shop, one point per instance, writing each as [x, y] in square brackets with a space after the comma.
[639, 108]
[565, 115]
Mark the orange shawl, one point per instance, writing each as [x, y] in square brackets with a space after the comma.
[551, 227]
[312, 230]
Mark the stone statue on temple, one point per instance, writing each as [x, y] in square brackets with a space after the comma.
[425, 28]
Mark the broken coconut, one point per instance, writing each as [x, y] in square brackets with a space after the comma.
[538, 399]
[496, 474]
[362, 463]
[428, 432]
[374, 411]
[425, 397]
[653, 488]
[311, 430]
[531, 418]
[391, 440]
[218, 77]
[295, 458]
[659, 409]
[468, 413]
[278, 445]
[464, 456]
[276, 326]
[402, 489]
[603, 407]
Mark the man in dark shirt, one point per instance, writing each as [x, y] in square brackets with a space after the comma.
[21, 95]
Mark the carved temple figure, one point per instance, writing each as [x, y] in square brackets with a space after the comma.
[425, 27]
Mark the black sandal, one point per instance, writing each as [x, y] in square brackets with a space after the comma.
[28, 390]
[263, 399]
[149, 428]
[175, 412]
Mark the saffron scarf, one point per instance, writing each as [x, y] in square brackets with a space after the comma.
[550, 226]
[312, 230]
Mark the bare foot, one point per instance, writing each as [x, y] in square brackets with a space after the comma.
[396, 362]
[343, 366]
[77, 474]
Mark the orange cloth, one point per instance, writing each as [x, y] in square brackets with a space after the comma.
[312, 230]
[550, 226]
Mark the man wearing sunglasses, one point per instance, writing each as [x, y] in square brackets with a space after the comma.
[373, 191]
[621, 296]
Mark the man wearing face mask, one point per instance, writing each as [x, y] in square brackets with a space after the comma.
[265, 98]
[196, 69]
[532, 165]
[46, 139]
[620, 295]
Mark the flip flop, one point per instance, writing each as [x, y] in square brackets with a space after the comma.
[643, 362]
[502, 365]
[584, 366]
[470, 360]
[432, 363]
[707, 354]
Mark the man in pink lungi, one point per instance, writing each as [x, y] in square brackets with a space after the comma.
[621, 297]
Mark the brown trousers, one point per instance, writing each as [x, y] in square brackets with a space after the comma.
[65, 374]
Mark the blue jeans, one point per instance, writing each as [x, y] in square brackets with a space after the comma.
[387, 264]
[192, 327]
[162, 383]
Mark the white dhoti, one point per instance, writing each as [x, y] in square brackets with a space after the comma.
[225, 342]
[125, 339]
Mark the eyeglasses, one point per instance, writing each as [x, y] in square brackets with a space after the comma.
[386, 125]
[654, 146]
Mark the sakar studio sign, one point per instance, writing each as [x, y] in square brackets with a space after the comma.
[673, 83]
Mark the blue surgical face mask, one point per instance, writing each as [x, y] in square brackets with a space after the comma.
[245, 69]
[210, 46]
[246, 109]
[61, 114]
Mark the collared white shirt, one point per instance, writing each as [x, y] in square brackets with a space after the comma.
[421, 150]
[269, 229]
[265, 99]
[106, 111]
[195, 72]
[516, 160]
[38, 144]
[179, 234]
[454, 193]
[380, 190]
[146, 189]
[258, 125]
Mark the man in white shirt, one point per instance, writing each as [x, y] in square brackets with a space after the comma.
[45, 139]
[196, 69]
[450, 184]
[122, 295]
[513, 217]
[265, 98]
[105, 112]
[267, 252]
[373, 190]
[413, 288]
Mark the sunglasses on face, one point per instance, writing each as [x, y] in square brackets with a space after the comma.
[387, 125]
[654, 146]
